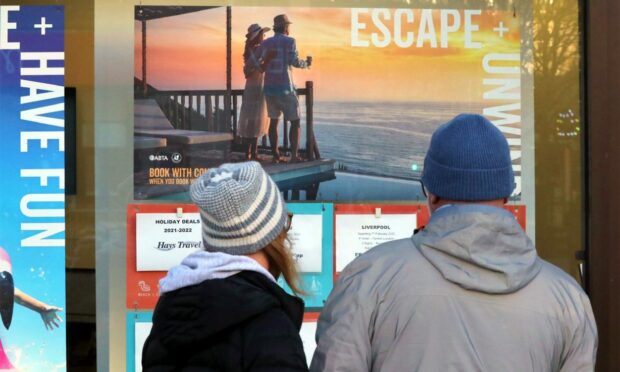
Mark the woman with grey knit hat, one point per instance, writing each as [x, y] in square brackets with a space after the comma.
[221, 309]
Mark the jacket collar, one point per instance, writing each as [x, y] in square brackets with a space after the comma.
[454, 209]
[479, 247]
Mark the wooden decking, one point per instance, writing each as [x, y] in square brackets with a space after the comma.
[150, 121]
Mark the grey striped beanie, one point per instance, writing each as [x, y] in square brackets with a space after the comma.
[240, 207]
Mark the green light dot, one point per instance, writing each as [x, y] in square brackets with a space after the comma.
[414, 167]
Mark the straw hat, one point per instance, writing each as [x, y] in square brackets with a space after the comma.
[254, 30]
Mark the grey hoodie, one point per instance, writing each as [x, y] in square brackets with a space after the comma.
[467, 293]
[202, 265]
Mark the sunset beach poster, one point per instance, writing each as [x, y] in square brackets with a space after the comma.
[367, 89]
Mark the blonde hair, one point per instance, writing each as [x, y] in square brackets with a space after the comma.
[282, 262]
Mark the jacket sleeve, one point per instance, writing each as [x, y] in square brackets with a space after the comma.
[293, 57]
[345, 326]
[271, 343]
[580, 350]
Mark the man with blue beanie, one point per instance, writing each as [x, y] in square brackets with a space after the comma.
[468, 292]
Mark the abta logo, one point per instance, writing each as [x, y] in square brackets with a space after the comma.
[158, 158]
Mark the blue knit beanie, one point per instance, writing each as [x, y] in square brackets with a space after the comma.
[468, 160]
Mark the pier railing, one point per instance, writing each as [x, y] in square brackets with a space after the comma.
[206, 110]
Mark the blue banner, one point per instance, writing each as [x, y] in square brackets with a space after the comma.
[32, 195]
[139, 326]
[317, 285]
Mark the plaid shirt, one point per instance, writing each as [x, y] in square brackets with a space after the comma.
[278, 72]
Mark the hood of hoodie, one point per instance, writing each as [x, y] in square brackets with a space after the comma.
[202, 265]
[480, 248]
[197, 313]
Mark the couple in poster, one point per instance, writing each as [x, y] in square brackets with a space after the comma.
[269, 89]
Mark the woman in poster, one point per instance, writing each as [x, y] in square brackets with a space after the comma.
[9, 295]
[253, 122]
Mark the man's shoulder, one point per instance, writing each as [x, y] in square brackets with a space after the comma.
[556, 292]
[280, 39]
[286, 37]
[555, 276]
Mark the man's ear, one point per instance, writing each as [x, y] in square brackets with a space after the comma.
[505, 200]
[433, 199]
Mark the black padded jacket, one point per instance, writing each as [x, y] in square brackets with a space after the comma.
[245, 322]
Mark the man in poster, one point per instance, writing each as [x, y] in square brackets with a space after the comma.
[468, 292]
[279, 88]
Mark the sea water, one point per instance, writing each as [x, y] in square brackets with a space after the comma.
[377, 138]
[380, 138]
[379, 147]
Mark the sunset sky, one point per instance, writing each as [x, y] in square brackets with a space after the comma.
[188, 52]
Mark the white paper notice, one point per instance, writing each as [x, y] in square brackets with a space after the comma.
[357, 233]
[163, 240]
[142, 332]
[306, 234]
[307, 334]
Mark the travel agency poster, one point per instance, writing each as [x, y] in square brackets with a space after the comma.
[379, 83]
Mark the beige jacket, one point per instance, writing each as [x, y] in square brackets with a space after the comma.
[468, 293]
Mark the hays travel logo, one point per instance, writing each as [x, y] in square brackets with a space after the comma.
[167, 246]
[164, 246]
